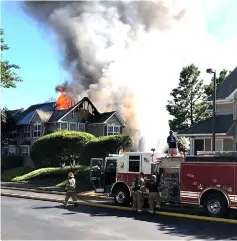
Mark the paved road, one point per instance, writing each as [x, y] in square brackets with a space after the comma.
[38, 220]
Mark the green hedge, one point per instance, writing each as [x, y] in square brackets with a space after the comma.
[103, 146]
[9, 162]
[59, 147]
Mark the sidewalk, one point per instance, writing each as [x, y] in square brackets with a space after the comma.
[31, 186]
[52, 190]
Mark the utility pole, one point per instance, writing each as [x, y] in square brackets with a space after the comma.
[211, 71]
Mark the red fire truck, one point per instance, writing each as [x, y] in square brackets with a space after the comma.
[207, 180]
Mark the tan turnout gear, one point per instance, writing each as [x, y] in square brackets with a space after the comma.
[71, 189]
[138, 193]
[154, 198]
[154, 195]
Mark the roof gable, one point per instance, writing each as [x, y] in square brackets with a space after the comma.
[25, 117]
[224, 124]
[42, 115]
[228, 86]
[85, 103]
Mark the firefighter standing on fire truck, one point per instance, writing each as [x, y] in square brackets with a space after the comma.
[138, 191]
[71, 189]
[172, 141]
[154, 195]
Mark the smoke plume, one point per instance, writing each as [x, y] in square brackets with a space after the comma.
[116, 53]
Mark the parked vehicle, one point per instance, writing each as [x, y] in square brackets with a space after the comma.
[208, 180]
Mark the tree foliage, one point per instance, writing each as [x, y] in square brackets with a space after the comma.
[187, 106]
[8, 128]
[59, 147]
[219, 80]
[9, 78]
[105, 145]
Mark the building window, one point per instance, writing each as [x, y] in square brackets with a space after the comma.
[12, 150]
[81, 127]
[37, 127]
[27, 131]
[4, 150]
[113, 130]
[25, 150]
[72, 126]
[63, 126]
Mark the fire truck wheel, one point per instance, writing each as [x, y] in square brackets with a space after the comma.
[216, 205]
[121, 196]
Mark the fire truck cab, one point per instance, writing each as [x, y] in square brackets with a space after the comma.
[208, 180]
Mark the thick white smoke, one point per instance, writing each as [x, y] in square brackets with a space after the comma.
[130, 54]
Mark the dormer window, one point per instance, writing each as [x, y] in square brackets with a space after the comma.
[37, 128]
[113, 130]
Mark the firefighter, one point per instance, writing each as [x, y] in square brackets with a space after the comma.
[138, 191]
[70, 189]
[154, 195]
[172, 141]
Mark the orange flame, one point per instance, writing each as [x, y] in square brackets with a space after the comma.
[63, 102]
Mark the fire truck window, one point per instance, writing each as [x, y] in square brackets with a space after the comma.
[134, 166]
[137, 158]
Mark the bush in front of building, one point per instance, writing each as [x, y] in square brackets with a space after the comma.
[103, 146]
[9, 162]
[61, 147]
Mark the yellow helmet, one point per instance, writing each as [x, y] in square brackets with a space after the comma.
[70, 174]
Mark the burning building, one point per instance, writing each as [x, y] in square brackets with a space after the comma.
[41, 119]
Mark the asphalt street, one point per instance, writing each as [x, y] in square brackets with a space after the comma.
[39, 220]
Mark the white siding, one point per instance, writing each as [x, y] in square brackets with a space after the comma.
[224, 109]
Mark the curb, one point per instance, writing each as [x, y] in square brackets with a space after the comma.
[178, 215]
[80, 195]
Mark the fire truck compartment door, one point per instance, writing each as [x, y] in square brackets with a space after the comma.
[97, 174]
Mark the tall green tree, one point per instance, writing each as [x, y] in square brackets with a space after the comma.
[9, 77]
[187, 106]
[219, 80]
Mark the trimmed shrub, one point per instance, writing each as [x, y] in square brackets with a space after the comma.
[9, 162]
[105, 145]
[59, 147]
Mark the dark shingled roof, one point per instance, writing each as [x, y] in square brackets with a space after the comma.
[101, 118]
[224, 124]
[57, 114]
[48, 113]
[25, 116]
[228, 86]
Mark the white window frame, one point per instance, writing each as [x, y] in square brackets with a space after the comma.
[10, 150]
[113, 132]
[72, 123]
[27, 153]
[27, 132]
[81, 125]
[222, 143]
[204, 139]
[60, 125]
[35, 132]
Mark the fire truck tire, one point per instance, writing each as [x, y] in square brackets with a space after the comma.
[121, 196]
[215, 205]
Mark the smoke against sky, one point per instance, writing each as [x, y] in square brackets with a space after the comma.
[127, 55]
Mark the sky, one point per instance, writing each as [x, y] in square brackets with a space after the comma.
[33, 48]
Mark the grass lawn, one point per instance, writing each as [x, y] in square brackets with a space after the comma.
[51, 176]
